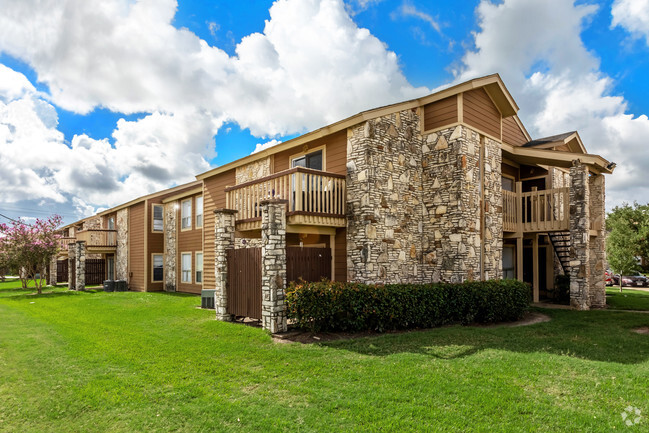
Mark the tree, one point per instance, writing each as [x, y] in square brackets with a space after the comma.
[628, 237]
[30, 248]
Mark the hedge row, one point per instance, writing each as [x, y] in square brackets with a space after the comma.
[334, 306]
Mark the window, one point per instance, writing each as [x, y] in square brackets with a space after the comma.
[508, 183]
[158, 267]
[509, 262]
[111, 268]
[158, 223]
[186, 262]
[199, 268]
[199, 211]
[311, 160]
[111, 223]
[186, 214]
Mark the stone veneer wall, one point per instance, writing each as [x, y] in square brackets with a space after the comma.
[224, 229]
[71, 265]
[80, 262]
[121, 253]
[580, 238]
[53, 271]
[414, 203]
[253, 170]
[598, 265]
[170, 245]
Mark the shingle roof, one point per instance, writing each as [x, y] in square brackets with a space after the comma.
[546, 140]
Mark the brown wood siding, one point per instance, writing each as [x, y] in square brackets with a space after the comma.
[189, 241]
[336, 153]
[213, 198]
[136, 228]
[155, 245]
[440, 113]
[512, 133]
[481, 113]
[511, 171]
[340, 261]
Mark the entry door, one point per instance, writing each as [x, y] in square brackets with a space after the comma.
[110, 262]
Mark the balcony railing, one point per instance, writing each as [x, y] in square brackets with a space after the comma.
[536, 211]
[98, 238]
[64, 242]
[308, 192]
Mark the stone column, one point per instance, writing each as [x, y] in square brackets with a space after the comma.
[121, 254]
[273, 265]
[579, 237]
[598, 242]
[80, 253]
[170, 246]
[71, 267]
[224, 220]
[52, 275]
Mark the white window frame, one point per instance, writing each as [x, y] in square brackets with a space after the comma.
[185, 220]
[153, 219]
[185, 274]
[198, 273]
[153, 256]
[199, 216]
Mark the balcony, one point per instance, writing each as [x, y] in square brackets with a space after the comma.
[98, 240]
[64, 243]
[536, 211]
[315, 198]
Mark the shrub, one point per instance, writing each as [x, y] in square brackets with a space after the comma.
[335, 306]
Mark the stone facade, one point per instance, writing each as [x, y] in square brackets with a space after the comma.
[52, 274]
[580, 238]
[80, 276]
[254, 170]
[598, 265]
[224, 228]
[414, 203]
[170, 245]
[273, 265]
[121, 252]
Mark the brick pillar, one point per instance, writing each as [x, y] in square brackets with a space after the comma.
[80, 253]
[579, 237]
[170, 246]
[224, 220]
[273, 265]
[71, 266]
[598, 242]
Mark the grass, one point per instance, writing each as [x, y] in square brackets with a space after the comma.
[124, 362]
[629, 299]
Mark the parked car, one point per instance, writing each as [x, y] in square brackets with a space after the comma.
[608, 278]
[634, 279]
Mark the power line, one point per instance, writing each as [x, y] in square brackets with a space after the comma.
[16, 221]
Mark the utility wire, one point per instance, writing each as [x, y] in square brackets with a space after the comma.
[16, 221]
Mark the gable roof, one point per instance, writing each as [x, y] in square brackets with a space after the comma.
[492, 84]
[571, 140]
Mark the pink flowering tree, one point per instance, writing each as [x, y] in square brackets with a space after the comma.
[29, 248]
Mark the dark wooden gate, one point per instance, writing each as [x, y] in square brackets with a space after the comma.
[95, 271]
[72, 274]
[62, 271]
[244, 282]
[309, 264]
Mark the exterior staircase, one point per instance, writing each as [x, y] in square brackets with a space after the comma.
[561, 243]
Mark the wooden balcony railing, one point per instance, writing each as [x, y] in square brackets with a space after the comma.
[64, 242]
[308, 192]
[536, 211]
[98, 237]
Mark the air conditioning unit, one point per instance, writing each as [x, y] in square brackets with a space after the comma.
[207, 298]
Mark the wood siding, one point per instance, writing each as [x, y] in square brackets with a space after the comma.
[213, 198]
[512, 133]
[335, 153]
[155, 245]
[511, 171]
[440, 113]
[190, 241]
[481, 113]
[136, 235]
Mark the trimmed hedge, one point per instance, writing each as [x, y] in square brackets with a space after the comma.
[335, 306]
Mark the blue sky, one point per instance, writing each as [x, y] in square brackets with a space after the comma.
[104, 102]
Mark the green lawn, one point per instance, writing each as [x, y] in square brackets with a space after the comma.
[629, 299]
[132, 362]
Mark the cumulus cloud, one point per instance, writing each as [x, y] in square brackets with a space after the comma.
[633, 15]
[263, 146]
[557, 83]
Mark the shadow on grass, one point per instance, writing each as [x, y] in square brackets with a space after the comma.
[593, 335]
[47, 293]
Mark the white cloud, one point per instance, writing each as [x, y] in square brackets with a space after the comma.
[409, 10]
[537, 48]
[263, 146]
[633, 15]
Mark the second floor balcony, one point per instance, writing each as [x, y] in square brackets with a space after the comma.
[314, 198]
[97, 241]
